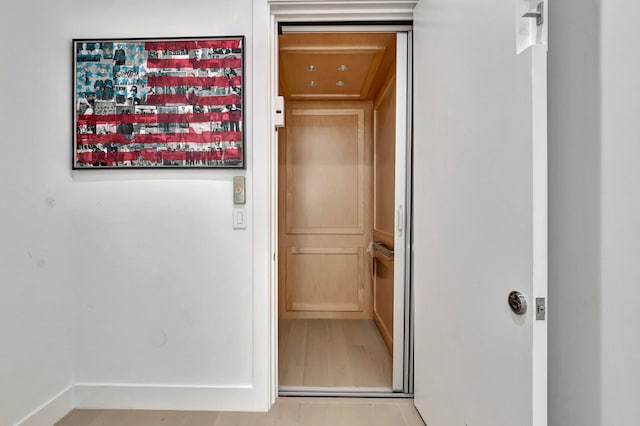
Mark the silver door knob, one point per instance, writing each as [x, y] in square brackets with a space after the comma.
[517, 302]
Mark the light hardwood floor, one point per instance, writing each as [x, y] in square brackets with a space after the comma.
[285, 412]
[332, 353]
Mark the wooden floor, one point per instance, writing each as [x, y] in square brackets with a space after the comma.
[332, 353]
[286, 412]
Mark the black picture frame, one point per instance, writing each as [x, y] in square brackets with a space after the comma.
[150, 103]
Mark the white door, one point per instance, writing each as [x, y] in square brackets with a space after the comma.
[479, 227]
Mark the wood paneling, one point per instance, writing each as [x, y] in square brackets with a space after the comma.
[325, 177]
[356, 81]
[325, 210]
[384, 207]
[383, 299]
[384, 162]
[324, 279]
[368, 57]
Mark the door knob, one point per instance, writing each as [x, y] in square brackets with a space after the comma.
[517, 302]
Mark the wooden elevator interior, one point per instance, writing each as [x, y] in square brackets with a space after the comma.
[336, 195]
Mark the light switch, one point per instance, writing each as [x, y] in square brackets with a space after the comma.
[239, 218]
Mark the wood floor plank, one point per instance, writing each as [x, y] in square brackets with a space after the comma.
[285, 412]
[386, 414]
[316, 365]
[333, 352]
[411, 416]
[340, 368]
[338, 415]
[291, 369]
[284, 328]
[244, 419]
[172, 418]
[98, 418]
[369, 364]
[177, 418]
[377, 352]
[79, 417]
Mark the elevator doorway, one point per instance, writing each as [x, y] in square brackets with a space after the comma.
[342, 203]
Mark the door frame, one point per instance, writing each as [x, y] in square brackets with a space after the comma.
[376, 13]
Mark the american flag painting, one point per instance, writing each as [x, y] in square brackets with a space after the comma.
[159, 103]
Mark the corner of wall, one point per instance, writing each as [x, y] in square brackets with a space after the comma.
[51, 411]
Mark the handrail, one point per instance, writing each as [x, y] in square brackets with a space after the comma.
[383, 249]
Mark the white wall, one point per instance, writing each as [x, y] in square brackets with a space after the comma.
[163, 283]
[36, 303]
[620, 165]
[130, 284]
[594, 137]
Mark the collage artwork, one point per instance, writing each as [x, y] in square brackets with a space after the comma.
[172, 103]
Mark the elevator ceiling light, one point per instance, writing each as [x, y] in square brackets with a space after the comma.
[340, 83]
[311, 68]
[343, 68]
[313, 83]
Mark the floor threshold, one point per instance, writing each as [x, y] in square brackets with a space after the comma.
[342, 392]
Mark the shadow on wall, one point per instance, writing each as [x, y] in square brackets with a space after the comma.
[574, 214]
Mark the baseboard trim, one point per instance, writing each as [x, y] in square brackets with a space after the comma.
[51, 411]
[384, 331]
[165, 397]
[143, 397]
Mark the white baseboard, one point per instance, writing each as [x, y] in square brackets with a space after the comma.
[51, 411]
[166, 397]
[144, 397]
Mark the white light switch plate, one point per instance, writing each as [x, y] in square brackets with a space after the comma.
[239, 218]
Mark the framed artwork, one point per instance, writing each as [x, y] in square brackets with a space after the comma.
[158, 103]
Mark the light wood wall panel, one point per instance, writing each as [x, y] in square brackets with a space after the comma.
[309, 270]
[383, 299]
[384, 207]
[384, 162]
[325, 210]
[325, 180]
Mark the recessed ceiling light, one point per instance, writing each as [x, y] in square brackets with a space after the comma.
[313, 83]
[311, 68]
[340, 83]
[343, 68]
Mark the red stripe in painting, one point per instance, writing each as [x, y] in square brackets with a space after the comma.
[190, 45]
[85, 139]
[170, 45]
[161, 138]
[194, 81]
[234, 43]
[204, 137]
[166, 99]
[192, 63]
[159, 118]
[233, 154]
[195, 100]
[151, 155]
[219, 100]
[116, 119]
